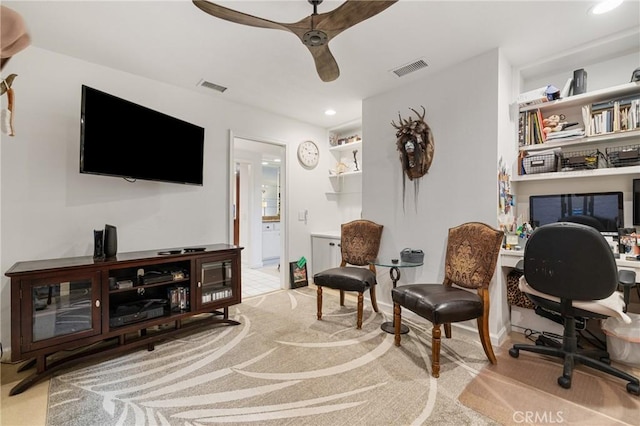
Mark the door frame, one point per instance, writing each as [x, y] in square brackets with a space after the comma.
[284, 191]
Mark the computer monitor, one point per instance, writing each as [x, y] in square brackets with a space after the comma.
[601, 210]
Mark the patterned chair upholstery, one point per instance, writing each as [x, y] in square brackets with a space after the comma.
[471, 258]
[359, 245]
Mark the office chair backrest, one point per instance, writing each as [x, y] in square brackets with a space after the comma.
[570, 261]
[360, 242]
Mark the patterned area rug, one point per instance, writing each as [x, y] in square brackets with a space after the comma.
[525, 390]
[280, 366]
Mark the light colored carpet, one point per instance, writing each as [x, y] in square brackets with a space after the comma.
[280, 366]
[525, 390]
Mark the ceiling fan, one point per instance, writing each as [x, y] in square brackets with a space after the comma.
[315, 31]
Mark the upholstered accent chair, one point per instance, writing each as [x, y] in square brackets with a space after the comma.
[471, 258]
[359, 246]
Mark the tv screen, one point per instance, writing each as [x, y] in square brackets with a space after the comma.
[124, 139]
[601, 210]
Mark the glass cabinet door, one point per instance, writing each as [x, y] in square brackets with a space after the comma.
[216, 283]
[61, 308]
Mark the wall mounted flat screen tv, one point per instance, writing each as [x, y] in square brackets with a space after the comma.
[121, 138]
[601, 210]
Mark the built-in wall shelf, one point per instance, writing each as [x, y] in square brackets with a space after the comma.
[587, 98]
[611, 171]
[354, 173]
[347, 146]
[336, 193]
[614, 136]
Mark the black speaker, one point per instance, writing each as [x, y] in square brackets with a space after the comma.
[110, 241]
[636, 201]
[98, 244]
[579, 82]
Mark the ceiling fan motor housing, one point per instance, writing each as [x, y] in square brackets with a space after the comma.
[314, 38]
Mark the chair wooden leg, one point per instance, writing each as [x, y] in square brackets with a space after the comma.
[341, 297]
[360, 309]
[447, 330]
[319, 298]
[435, 351]
[483, 331]
[397, 322]
[374, 302]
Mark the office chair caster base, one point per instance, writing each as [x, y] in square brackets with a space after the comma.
[514, 352]
[633, 388]
[564, 382]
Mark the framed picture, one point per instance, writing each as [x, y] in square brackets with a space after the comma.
[297, 275]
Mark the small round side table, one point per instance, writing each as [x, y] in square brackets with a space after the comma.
[394, 273]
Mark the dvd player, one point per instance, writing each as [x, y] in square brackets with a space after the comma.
[137, 311]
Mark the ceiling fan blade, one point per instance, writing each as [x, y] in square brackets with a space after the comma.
[315, 31]
[326, 64]
[348, 14]
[237, 17]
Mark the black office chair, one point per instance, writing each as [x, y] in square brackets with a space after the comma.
[566, 264]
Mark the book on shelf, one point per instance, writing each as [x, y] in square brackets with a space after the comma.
[540, 121]
[532, 128]
[612, 116]
[521, 128]
[566, 134]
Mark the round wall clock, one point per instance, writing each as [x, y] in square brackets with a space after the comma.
[308, 154]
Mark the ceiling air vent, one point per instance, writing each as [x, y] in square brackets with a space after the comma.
[213, 86]
[409, 68]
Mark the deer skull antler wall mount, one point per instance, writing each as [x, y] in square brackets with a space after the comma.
[415, 144]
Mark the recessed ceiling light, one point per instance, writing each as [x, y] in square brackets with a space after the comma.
[277, 160]
[605, 6]
[265, 163]
[330, 112]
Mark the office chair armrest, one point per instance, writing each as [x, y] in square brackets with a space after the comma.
[627, 279]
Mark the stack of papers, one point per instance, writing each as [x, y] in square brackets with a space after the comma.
[564, 134]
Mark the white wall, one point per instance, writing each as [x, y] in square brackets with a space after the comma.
[600, 74]
[461, 184]
[49, 210]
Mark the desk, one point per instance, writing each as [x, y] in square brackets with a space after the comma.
[517, 318]
[509, 258]
[394, 273]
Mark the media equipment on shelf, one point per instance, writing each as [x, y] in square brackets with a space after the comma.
[602, 210]
[128, 313]
[167, 275]
[155, 146]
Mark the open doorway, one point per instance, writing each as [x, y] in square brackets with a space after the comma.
[259, 220]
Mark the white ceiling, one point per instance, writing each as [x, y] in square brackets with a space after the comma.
[176, 43]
